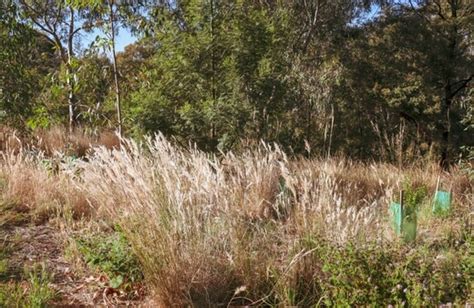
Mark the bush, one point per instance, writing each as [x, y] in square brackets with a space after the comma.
[395, 276]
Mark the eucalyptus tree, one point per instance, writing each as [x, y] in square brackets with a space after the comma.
[26, 57]
[60, 22]
[109, 16]
[226, 70]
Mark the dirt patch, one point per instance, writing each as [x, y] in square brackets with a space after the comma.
[29, 245]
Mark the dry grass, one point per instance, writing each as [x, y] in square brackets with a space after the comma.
[204, 227]
[10, 140]
[56, 140]
[231, 229]
[35, 183]
[37, 169]
[78, 144]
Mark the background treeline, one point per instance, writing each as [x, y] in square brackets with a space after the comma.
[384, 79]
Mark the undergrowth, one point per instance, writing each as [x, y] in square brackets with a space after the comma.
[112, 255]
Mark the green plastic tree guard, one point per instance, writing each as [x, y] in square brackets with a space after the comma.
[404, 225]
[396, 210]
[442, 202]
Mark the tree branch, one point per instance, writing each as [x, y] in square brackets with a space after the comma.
[440, 10]
[463, 83]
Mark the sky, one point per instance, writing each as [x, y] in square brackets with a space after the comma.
[123, 38]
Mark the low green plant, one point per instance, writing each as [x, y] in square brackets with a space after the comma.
[12, 295]
[405, 218]
[414, 196]
[6, 248]
[111, 253]
[424, 276]
[3, 266]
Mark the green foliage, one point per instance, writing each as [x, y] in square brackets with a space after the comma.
[112, 255]
[404, 218]
[382, 276]
[209, 80]
[394, 85]
[11, 296]
[404, 98]
[414, 196]
[23, 63]
[356, 276]
[3, 266]
[92, 89]
[40, 118]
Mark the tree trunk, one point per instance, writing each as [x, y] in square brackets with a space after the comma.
[445, 159]
[331, 131]
[446, 134]
[213, 71]
[70, 74]
[115, 67]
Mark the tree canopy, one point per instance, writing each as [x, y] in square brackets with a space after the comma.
[384, 79]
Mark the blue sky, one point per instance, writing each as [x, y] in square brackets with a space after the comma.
[123, 38]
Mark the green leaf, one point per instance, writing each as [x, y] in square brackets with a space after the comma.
[116, 281]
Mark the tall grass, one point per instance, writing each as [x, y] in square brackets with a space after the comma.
[231, 229]
[42, 186]
[254, 227]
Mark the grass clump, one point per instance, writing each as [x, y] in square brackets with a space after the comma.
[35, 292]
[211, 231]
[29, 187]
[4, 254]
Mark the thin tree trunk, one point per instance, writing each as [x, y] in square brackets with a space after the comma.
[115, 67]
[213, 70]
[446, 134]
[70, 75]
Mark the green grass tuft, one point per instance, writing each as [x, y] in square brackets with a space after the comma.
[35, 293]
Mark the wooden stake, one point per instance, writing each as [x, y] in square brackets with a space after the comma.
[401, 209]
